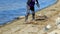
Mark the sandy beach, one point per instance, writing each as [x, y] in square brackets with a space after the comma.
[36, 27]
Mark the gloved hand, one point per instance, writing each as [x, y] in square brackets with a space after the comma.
[38, 5]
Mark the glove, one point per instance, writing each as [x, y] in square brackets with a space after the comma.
[37, 5]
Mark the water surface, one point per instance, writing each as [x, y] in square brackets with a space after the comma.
[10, 9]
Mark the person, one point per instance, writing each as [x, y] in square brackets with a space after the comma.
[30, 6]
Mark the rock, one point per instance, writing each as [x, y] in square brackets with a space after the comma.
[58, 21]
[21, 17]
[46, 28]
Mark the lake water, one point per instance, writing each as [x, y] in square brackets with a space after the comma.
[10, 9]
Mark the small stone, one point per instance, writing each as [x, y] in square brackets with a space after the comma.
[48, 26]
[58, 21]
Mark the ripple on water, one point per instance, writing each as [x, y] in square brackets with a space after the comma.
[10, 9]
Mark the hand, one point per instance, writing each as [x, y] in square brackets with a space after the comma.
[38, 5]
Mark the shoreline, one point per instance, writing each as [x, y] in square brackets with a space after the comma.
[49, 5]
[35, 12]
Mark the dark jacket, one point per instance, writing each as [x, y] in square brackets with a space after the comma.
[32, 2]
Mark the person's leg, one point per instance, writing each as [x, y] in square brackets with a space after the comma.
[27, 13]
[33, 13]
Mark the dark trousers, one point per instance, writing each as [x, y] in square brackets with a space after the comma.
[28, 12]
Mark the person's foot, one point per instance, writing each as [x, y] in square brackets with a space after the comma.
[27, 22]
[33, 19]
